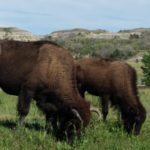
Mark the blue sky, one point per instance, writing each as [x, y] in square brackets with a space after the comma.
[45, 16]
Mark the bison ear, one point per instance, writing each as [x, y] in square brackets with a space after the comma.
[75, 112]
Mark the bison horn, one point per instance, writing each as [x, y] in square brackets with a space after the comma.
[96, 110]
[75, 112]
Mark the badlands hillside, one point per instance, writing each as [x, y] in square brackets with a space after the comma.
[82, 42]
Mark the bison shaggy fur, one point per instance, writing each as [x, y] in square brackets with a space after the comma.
[45, 72]
[116, 80]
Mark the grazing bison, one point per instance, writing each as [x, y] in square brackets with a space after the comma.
[112, 80]
[45, 72]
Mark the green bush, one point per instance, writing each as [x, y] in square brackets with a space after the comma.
[146, 68]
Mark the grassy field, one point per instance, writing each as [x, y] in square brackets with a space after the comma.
[98, 135]
[138, 69]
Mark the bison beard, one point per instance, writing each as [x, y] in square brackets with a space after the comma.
[45, 72]
[114, 81]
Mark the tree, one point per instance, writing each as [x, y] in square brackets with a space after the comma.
[146, 68]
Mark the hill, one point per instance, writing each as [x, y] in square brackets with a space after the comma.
[102, 43]
[17, 34]
[96, 34]
[83, 42]
[140, 30]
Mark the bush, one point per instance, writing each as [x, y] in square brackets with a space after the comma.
[146, 68]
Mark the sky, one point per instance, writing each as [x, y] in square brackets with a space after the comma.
[46, 16]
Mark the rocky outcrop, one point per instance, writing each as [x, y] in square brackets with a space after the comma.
[23, 35]
[12, 33]
[92, 34]
[65, 34]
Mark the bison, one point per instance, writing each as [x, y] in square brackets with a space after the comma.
[114, 81]
[45, 72]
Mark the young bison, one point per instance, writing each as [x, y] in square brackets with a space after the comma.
[45, 72]
[112, 80]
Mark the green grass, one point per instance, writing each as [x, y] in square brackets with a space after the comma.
[98, 135]
[138, 69]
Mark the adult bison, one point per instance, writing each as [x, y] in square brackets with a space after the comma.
[45, 72]
[112, 80]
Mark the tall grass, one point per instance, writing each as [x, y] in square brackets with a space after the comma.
[98, 135]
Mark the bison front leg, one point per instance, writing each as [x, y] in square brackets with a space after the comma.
[23, 106]
[50, 112]
[51, 123]
[104, 104]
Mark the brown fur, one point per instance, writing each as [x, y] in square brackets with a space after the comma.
[45, 72]
[115, 80]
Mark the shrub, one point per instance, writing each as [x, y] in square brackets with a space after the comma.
[146, 68]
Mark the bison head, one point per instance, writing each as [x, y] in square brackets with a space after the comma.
[134, 119]
[70, 123]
